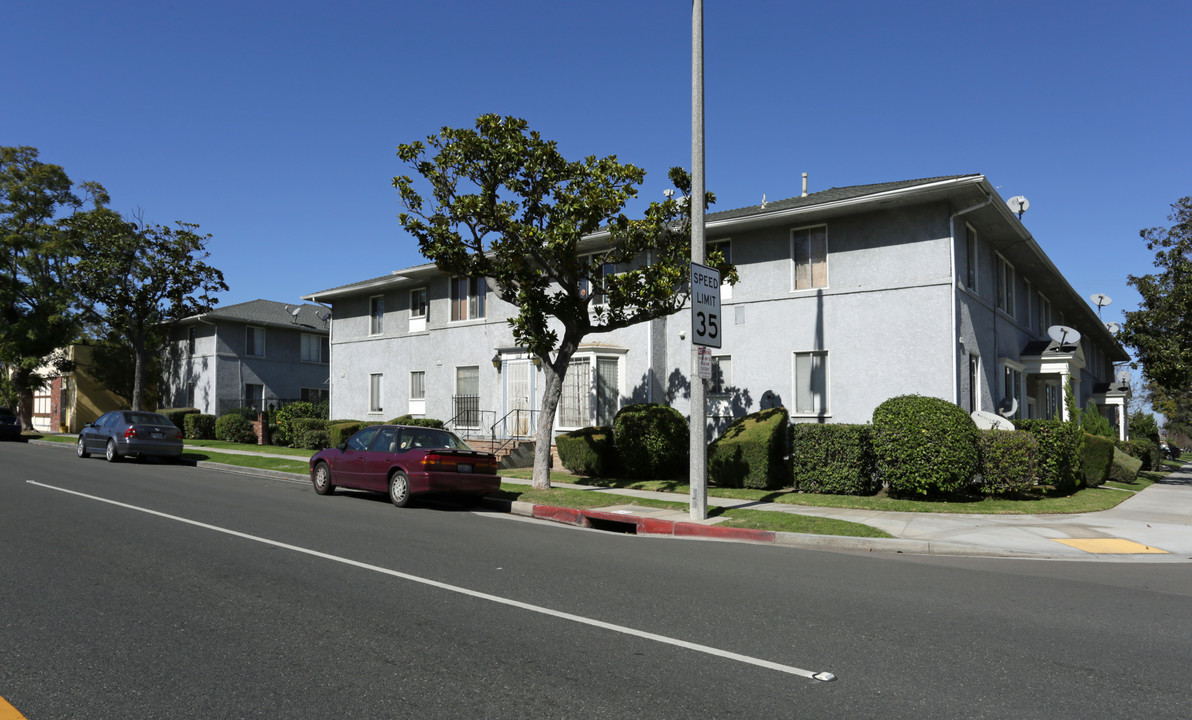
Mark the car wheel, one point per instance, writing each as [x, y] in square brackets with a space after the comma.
[81, 449]
[110, 452]
[399, 489]
[322, 479]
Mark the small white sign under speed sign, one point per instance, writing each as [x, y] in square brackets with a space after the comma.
[705, 306]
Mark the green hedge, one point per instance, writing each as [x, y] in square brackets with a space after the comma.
[750, 451]
[198, 426]
[339, 432]
[588, 452]
[651, 441]
[178, 416]
[248, 413]
[234, 428]
[309, 433]
[1096, 459]
[1125, 467]
[924, 445]
[287, 415]
[1059, 451]
[833, 459]
[1146, 450]
[1009, 462]
[417, 421]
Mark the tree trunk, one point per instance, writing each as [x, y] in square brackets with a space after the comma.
[555, 372]
[140, 367]
[20, 385]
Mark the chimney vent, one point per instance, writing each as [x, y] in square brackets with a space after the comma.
[804, 184]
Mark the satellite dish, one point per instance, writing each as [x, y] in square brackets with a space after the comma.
[991, 421]
[1123, 377]
[1113, 327]
[1019, 204]
[1063, 335]
[295, 311]
[1100, 300]
[1007, 407]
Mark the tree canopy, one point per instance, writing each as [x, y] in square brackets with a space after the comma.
[1160, 331]
[551, 238]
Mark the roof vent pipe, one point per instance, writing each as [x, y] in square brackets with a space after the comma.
[804, 184]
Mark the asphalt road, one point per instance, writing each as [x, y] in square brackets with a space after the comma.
[153, 591]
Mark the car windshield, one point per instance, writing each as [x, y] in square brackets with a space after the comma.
[430, 438]
[7, 412]
[146, 418]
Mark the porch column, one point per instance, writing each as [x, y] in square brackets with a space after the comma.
[1064, 377]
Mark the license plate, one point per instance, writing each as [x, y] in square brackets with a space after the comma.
[157, 436]
[463, 468]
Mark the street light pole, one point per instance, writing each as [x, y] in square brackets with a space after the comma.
[698, 475]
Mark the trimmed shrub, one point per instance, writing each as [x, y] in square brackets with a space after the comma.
[651, 441]
[1094, 423]
[178, 416]
[924, 445]
[1125, 467]
[588, 452]
[1146, 450]
[1096, 459]
[339, 432]
[198, 426]
[248, 413]
[309, 433]
[417, 421]
[749, 453]
[1008, 461]
[1059, 451]
[287, 414]
[833, 459]
[234, 428]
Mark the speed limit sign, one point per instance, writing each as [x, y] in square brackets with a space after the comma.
[705, 306]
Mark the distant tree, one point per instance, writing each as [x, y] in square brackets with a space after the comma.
[1160, 331]
[38, 312]
[506, 206]
[138, 278]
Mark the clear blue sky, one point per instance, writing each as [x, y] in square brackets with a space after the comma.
[273, 125]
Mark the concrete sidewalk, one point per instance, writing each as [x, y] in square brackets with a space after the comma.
[1154, 525]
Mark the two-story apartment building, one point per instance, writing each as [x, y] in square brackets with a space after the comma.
[253, 354]
[846, 297]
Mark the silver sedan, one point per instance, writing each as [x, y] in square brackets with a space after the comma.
[121, 433]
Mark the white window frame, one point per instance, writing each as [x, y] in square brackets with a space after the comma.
[254, 330]
[1015, 385]
[475, 305]
[973, 268]
[320, 348]
[796, 234]
[591, 359]
[975, 374]
[1005, 285]
[458, 393]
[376, 315]
[419, 309]
[825, 409]
[1043, 311]
[376, 389]
[417, 392]
[725, 244]
[721, 382]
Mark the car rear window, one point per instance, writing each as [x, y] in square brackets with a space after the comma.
[7, 412]
[146, 418]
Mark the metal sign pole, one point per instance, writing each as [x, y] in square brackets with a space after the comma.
[698, 475]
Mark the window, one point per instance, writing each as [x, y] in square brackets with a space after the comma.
[575, 402]
[313, 395]
[190, 341]
[809, 249]
[467, 396]
[1005, 286]
[586, 284]
[974, 385]
[254, 396]
[374, 392]
[811, 383]
[418, 310]
[722, 375]
[1043, 309]
[254, 342]
[418, 385]
[468, 298]
[1028, 310]
[376, 314]
[970, 241]
[608, 390]
[1012, 386]
[726, 248]
[314, 348]
[190, 394]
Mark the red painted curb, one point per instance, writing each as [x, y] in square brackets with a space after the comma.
[650, 526]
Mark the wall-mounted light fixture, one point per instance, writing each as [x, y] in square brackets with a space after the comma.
[497, 361]
[537, 362]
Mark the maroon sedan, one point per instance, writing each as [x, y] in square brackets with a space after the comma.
[405, 461]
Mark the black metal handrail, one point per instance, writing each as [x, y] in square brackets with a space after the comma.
[507, 437]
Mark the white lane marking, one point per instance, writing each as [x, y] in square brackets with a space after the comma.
[464, 591]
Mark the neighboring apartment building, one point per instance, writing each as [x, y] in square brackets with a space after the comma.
[254, 354]
[72, 399]
[847, 297]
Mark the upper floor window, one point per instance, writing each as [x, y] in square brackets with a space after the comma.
[722, 375]
[254, 341]
[190, 340]
[726, 248]
[418, 305]
[809, 250]
[1005, 286]
[590, 285]
[314, 348]
[1028, 310]
[376, 314]
[970, 243]
[468, 298]
[1043, 310]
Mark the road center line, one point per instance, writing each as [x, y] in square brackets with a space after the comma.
[464, 591]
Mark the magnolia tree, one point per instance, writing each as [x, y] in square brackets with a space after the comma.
[501, 203]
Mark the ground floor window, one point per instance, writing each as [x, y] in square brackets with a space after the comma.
[591, 392]
[1012, 390]
[811, 383]
[254, 396]
[974, 382]
[374, 392]
[467, 396]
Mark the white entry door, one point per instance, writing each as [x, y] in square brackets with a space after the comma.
[519, 396]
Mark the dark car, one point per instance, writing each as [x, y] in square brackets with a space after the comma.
[10, 425]
[404, 461]
[131, 432]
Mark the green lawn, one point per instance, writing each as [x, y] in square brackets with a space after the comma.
[248, 461]
[274, 449]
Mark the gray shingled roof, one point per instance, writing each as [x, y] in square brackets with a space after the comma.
[268, 312]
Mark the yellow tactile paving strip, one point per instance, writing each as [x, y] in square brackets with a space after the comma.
[1109, 546]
